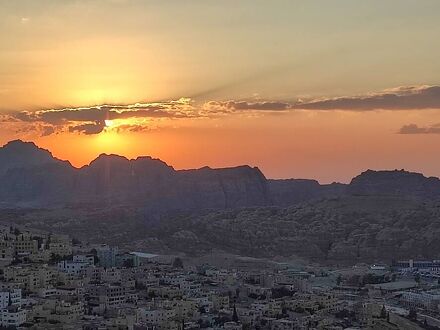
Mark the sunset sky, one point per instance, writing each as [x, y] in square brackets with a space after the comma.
[304, 89]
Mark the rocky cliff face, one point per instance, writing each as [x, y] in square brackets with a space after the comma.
[379, 216]
[344, 230]
[395, 183]
[19, 154]
[294, 191]
[31, 177]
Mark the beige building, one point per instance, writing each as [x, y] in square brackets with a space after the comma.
[58, 310]
[24, 244]
[31, 277]
[163, 318]
[108, 296]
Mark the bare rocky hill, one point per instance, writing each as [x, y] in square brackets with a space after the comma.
[146, 204]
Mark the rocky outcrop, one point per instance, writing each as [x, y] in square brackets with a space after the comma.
[19, 154]
[294, 191]
[379, 216]
[344, 230]
[395, 183]
[33, 178]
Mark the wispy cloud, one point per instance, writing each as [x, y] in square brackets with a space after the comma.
[181, 108]
[232, 106]
[89, 128]
[401, 98]
[92, 120]
[146, 116]
[415, 129]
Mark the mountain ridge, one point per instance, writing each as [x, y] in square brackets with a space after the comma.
[377, 217]
[33, 177]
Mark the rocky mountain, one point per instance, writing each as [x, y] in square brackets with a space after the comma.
[344, 230]
[340, 230]
[31, 177]
[294, 191]
[148, 205]
[395, 183]
[19, 154]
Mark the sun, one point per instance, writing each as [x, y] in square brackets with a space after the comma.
[109, 142]
[108, 122]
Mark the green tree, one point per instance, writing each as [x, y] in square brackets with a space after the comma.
[417, 278]
[235, 315]
[55, 258]
[76, 241]
[48, 241]
[128, 263]
[338, 280]
[412, 314]
[177, 263]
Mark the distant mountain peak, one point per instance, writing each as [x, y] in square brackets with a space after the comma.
[110, 157]
[26, 147]
[389, 175]
[32, 176]
[21, 154]
[395, 182]
[13, 144]
[114, 160]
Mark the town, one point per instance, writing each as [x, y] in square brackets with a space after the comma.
[51, 281]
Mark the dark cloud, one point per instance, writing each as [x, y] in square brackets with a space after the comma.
[415, 129]
[148, 113]
[402, 98]
[91, 120]
[135, 128]
[245, 105]
[88, 129]
[171, 109]
[268, 106]
[47, 130]
[61, 116]
[146, 116]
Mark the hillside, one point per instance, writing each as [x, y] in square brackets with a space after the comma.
[32, 177]
[146, 204]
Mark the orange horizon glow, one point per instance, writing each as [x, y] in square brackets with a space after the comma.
[308, 144]
[301, 89]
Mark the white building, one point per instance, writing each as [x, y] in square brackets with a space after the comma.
[421, 300]
[155, 316]
[71, 267]
[10, 297]
[232, 326]
[86, 258]
[12, 316]
[107, 255]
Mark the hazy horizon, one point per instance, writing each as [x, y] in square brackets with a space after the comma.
[299, 89]
[214, 167]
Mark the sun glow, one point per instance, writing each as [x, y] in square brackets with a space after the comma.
[110, 142]
[108, 122]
